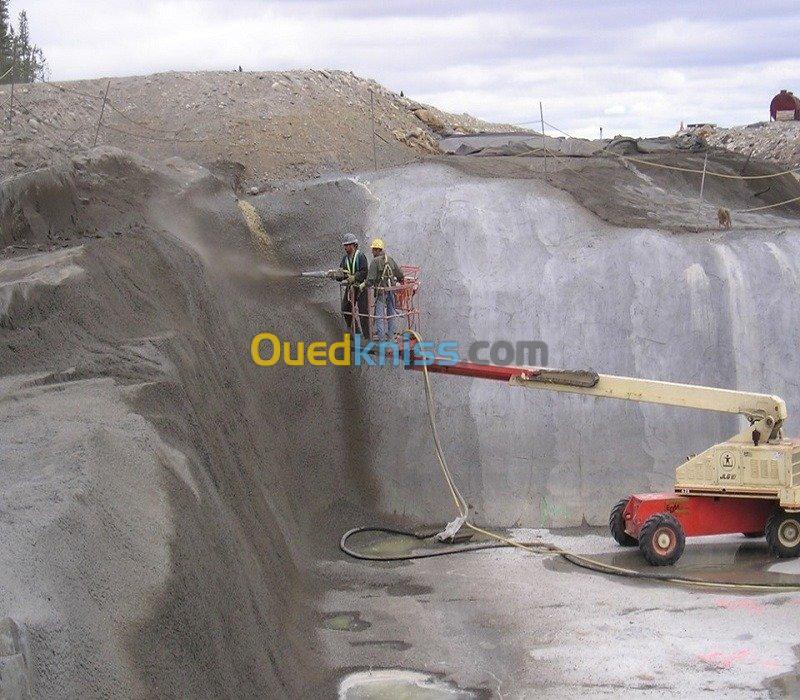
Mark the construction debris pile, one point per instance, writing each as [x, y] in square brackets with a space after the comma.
[774, 141]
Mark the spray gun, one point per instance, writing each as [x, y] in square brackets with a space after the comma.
[339, 275]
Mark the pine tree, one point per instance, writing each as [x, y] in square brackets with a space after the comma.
[40, 70]
[6, 43]
[30, 63]
[35, 61]
[22, 50]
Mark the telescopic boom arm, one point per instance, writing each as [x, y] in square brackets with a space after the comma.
[765, 412]
[751, 405]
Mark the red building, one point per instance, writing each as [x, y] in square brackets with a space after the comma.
[784, 107]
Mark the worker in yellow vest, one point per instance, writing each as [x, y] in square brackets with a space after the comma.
[355, 266]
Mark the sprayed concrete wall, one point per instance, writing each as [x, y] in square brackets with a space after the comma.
[516, 259]
[162, 498]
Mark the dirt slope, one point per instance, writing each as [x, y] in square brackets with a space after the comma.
[251, 127]
[643, 193]
[160, 495]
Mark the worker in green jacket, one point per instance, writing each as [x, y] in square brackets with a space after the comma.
[354, 269]
[383, 274]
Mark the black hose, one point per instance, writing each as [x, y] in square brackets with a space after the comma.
[593, 565]
[403, 557]
[577, 560]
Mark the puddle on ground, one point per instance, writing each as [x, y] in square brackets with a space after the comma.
[730, 560]
[786, 566]
[382, 544]
[399, 684]
[344, 621]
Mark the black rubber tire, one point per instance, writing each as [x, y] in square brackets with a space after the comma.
[657, 526]
[752, 535]
[783, 534]
[616, 523]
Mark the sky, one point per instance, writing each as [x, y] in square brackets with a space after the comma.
[631, 67]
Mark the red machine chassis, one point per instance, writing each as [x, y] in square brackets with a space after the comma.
[700, 515]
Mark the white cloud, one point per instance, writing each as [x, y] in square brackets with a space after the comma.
[632, 67]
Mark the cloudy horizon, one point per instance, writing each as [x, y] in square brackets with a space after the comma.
[638, 68]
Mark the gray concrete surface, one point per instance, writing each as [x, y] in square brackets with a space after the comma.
[507, 624]
[512, 143]
[520, 260]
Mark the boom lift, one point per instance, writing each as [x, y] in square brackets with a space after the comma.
[749, 484]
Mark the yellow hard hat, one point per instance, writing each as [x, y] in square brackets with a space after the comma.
[377, 243]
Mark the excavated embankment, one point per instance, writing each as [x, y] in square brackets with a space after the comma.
[161, 494]
[164, 499]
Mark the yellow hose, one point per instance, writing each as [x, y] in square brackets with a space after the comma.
[709, 173]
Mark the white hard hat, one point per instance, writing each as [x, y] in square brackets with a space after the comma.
[349, 239]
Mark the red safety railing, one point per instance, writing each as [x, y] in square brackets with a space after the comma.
[406, 315]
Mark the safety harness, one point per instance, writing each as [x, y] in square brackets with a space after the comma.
[352, 265]
[388, 278]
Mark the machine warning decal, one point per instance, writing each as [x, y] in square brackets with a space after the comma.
[727, 460]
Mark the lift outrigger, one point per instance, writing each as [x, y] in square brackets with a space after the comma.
[749, 484]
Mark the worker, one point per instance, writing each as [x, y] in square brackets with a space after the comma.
[354, 265]
[383, 274]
